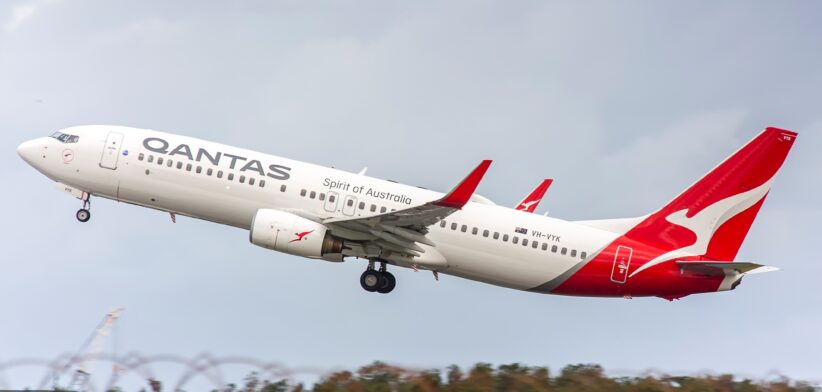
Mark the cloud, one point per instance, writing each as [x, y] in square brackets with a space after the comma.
[22, 13]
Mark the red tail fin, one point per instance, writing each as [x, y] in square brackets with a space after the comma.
[712, 217]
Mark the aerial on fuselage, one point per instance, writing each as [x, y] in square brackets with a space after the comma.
[686, 247]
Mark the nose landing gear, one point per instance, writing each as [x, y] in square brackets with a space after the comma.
[84, 214]
[380, 281]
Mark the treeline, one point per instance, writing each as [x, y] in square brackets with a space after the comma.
[381, 377]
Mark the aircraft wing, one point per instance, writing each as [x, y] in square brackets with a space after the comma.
[530, 202]
[400, 230]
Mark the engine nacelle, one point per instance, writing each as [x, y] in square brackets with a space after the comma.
[292, 234]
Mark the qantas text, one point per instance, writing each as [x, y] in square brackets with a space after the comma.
[160, 146]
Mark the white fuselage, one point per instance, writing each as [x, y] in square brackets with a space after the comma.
[196, 183]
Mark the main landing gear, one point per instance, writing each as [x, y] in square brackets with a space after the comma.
[83, 214]
[380, 280]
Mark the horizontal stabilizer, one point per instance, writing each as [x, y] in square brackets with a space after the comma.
[722, 268]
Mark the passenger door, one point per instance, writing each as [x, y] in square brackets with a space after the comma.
[111, 151]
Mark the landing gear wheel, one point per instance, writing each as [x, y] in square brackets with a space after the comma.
[370, 280]
[83, 215]
[387, 282]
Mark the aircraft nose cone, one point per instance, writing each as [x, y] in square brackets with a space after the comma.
[28, 150]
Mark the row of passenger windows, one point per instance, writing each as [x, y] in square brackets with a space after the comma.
[515, 240]
[349, 202]
[199, 169]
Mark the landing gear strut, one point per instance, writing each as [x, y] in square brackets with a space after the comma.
[83, 215]
[380, 280]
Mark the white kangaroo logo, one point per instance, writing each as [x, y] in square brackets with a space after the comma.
[528, 205]
[705, 223]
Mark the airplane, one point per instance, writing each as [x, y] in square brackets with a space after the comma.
[530, 202]
[687, 246]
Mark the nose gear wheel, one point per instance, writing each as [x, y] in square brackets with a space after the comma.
[84, 214]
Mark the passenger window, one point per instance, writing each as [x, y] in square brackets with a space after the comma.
[573, 253]
[199, 169]
[485, 233]
[362, 206]
[262, 183]
[219, 174]
[150, 158]
[303, 192]
[496, 235]
[382, 210]
[464, 228]
[515, 240]
[442, 223]
[179, 165]
[544, 246]
[210, 171]
[312, 194]
[322, 196]
[169, 163]
[534, 244]
[331, 198]
[141, 157]
[350, 202]
[373, 207]
[505, 238]
[474, 231]
[231, 176]
[242, 179]
[159, 160]
[564, 251]
[251, 180]
[453, 226]
[282, 188]
[583, 255]
[524, 242]
[188, 167]
[554, 249]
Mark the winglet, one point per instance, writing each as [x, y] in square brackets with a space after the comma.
[460, 195]
[530, 202]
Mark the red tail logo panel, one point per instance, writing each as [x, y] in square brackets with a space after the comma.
[712, 218]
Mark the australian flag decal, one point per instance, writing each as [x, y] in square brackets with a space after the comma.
[521, 230]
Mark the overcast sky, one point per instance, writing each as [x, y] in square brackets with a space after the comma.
[624, 104]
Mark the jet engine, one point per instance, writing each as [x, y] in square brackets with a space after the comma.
[292, 234]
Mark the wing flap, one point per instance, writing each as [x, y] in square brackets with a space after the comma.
[401, 230]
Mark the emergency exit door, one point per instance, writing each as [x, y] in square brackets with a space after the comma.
[111, 150]
[350, 205]
[331, 201]
[622, 260]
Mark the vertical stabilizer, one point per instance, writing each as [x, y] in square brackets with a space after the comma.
[713, 216]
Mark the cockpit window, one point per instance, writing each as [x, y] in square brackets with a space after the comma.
[65, 138]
